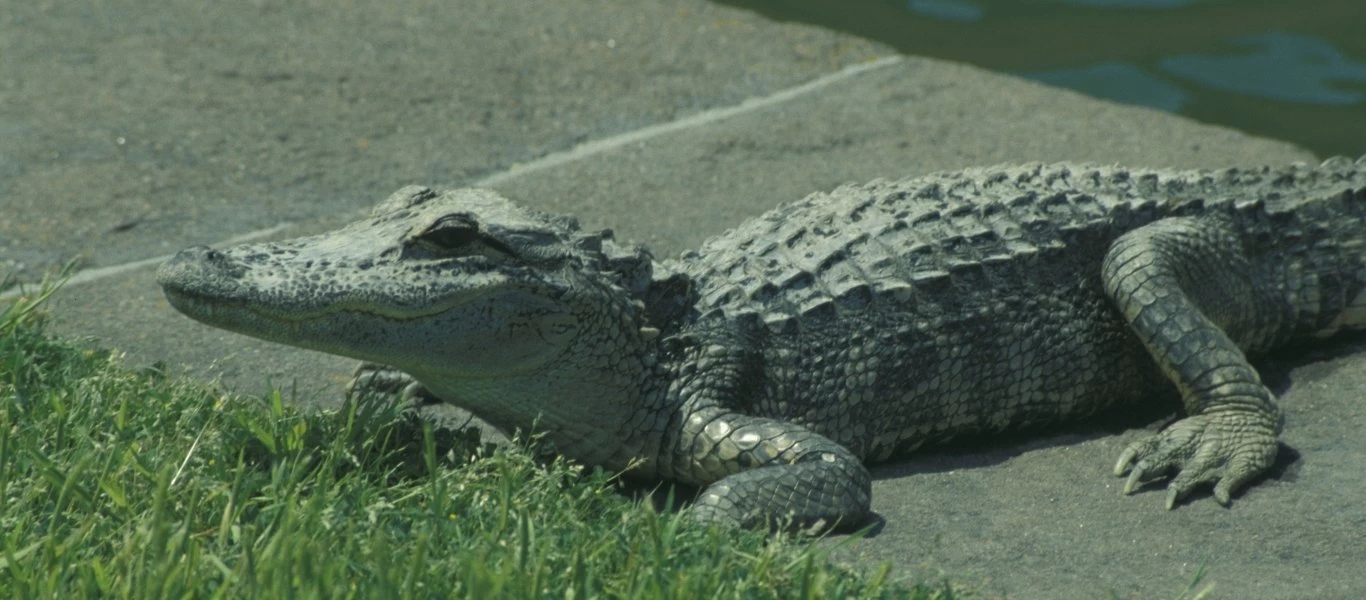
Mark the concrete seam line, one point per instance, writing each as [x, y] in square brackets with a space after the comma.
[89, 275]
[586, 149]
[555, 159]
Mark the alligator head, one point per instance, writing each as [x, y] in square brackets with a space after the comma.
[486, 303]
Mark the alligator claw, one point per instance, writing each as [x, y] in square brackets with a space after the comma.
[383, 380]
[1227, 449]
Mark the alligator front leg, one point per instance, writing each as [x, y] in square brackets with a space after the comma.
[763, 472]
[383, 380]
[1195, 301]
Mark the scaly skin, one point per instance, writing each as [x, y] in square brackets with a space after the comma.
[842, 329]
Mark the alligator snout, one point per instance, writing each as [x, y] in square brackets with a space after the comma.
[199, 269]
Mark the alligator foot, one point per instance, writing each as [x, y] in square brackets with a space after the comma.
[383, 380]
[1227, 449]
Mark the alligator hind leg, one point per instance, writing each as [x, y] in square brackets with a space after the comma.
[1192, 297]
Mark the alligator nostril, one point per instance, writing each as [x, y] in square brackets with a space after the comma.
[201, 255]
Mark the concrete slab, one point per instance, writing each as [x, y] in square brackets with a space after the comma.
[159, 125]
[246, 116]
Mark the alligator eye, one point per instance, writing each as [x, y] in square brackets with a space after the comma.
[458, 235]
[451, 232]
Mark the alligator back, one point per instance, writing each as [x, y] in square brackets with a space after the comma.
[901, 245]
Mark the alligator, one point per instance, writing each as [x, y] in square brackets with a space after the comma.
[770, 366]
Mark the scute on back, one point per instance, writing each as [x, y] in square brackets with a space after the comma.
[890, 243]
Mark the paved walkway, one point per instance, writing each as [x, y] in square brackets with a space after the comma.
[130, 130]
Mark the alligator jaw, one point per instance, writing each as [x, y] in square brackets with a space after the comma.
[230, 291]
[225, 297]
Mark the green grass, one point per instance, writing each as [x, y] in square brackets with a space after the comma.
[124, 483]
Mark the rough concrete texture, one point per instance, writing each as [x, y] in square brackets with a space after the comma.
[129, 130]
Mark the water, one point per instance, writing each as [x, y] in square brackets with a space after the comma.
[1287, 69]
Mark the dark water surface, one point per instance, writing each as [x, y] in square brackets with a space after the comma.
[1288, 69]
